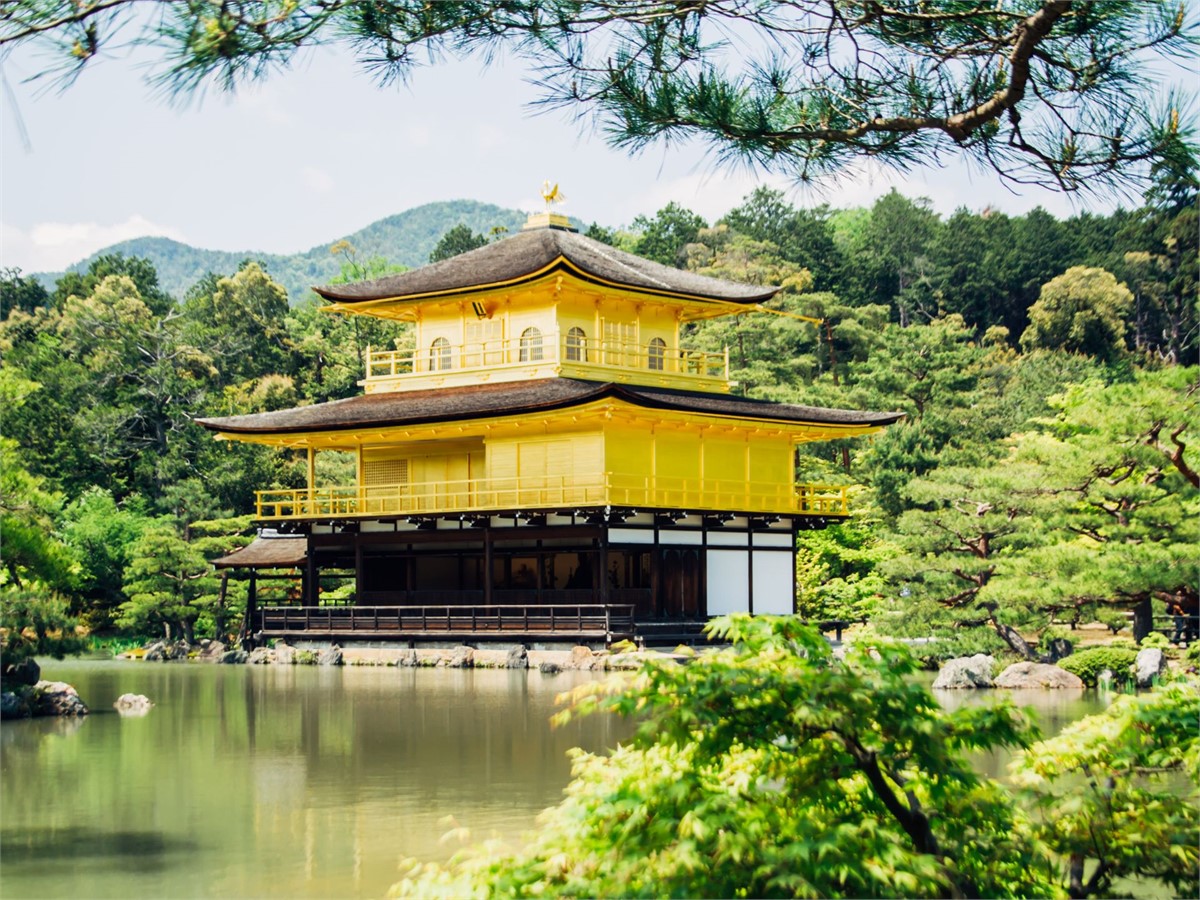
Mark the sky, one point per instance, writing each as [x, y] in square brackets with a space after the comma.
[321, 151]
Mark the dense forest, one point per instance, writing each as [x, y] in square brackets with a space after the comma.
[1044, 475]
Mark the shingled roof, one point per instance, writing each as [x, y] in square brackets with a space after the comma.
[481, 401]
[535, 254]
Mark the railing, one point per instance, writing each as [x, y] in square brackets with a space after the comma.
[550, 492]
[447, 358]
[597, 620]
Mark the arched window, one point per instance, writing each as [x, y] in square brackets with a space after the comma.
[658, 354]
[576, 345]
[439, 355]
[531, 345]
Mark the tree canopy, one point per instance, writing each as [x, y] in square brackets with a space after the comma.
[1051, 92]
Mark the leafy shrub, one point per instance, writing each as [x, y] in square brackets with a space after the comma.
[305, 658]
[1088, 664]
[1156, 639]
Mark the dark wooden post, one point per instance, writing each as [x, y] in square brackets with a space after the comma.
[358, 570]
[251, 609]
[487, 564]
[219, 624]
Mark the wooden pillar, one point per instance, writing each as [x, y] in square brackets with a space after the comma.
[219, 616]
[312, 468]
[603, 573]
[487, 564]
[358, 570]
[251, 609]
[311, 585]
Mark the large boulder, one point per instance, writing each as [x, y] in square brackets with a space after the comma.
[408, 659]
[211, 651]
[285, 654]
[517, 658]
[133, 705]
[1150, 665]
[233, 657]
[461, 657]
[547, 667]
[965, 672]
[330, 656]
[56, 698]
[1026, 675]
[259, 656]
[178, 650]
[26, 672]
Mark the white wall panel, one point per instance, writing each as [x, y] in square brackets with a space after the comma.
[773, 583]
[728, 581]
[727, 539]
[672, 536]
[630, 536]
[762, 539]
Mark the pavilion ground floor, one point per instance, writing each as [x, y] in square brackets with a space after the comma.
[586, 576]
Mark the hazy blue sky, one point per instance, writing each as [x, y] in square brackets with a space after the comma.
[320, 151]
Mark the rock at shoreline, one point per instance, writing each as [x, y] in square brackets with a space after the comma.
[156, 652]
[549, 668]
[330, 656]
[285, 654]
[133, 705]
[408, 659]
[1150, 665]
[517, 658]
[461, 657]
[178, 650]
[15, 705]
[56, 698]
[233, 657]
[965, 672]
[211, 651]
[259, 656]
[584, 659]
[1024, 675]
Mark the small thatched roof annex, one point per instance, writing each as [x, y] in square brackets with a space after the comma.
[267, 553]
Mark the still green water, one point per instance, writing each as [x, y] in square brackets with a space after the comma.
[269, 781]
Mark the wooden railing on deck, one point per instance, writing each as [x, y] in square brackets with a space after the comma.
[580, 620]
[549, 492]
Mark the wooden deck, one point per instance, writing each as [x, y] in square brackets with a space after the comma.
[580, 621]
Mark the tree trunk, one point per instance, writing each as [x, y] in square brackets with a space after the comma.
[219, 612]
[1013, 638]
[1143, 622]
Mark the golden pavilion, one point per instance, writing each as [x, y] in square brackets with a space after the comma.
[549, 463]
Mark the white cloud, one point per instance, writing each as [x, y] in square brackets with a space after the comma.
[317, 180]
[52, 246]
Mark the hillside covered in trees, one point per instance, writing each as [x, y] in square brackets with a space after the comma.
[404, 239]
[1045, 472]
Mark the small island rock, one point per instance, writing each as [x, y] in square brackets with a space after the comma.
[965, 672]
[56, 698]
[1024, 675]
[133, 705]
[517, 658]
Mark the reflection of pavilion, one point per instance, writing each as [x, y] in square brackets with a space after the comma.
[549, 462]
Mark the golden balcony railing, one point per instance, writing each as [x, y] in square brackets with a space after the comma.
[552, 492]
[652, 359]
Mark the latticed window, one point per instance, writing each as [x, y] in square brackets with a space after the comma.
[658, 354]
[384, 472]
[439, 355]
[531, 345]
[576, 345]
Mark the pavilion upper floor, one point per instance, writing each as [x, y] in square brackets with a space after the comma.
[551, 444]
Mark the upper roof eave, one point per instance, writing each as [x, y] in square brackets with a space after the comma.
[531, 255]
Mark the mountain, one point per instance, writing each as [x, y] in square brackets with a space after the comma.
[406, 238]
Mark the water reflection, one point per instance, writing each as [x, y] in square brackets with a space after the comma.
[297, 781]
[274, 781]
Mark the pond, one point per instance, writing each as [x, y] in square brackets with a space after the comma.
[272, 781]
